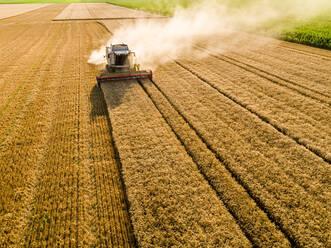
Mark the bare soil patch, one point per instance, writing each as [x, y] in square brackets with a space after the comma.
[8, 10]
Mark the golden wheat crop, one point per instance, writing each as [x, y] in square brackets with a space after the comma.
[273, 167]
[303, 119]
[170, 202]
[60, 182]
[252, 220]
[230, 149]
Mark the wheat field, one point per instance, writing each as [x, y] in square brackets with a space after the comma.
[229, 149]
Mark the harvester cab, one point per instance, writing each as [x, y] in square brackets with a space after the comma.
[121, 65]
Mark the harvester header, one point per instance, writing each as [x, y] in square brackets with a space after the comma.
[121, 65]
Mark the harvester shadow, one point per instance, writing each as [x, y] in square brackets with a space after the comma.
[97, 98]
[99, 107]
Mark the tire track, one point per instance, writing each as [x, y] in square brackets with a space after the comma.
[258, 227]
[303, 90]
[261, 117]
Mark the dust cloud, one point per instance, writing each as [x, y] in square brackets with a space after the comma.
[157, 41]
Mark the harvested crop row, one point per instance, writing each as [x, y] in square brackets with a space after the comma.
[8, 10]
[18, 65]
[59, 201]
[11, 36]
[89, 187]
[80, 199]
[273, 168]
[15, 56]
[170, 202]
[112, 25]
[14, 73]
[303, 119]
[24, 87]
[22, 152]
[12, 53]
[251, 219]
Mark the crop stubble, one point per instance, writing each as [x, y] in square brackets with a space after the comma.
[60, 183]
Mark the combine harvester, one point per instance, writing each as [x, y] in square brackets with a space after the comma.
[121, 65]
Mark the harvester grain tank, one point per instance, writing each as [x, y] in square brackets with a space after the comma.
[121, 65]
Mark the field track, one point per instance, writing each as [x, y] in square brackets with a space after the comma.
[88, 11]
[229, 149]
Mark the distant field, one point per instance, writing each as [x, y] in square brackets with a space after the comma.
[315, 32]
